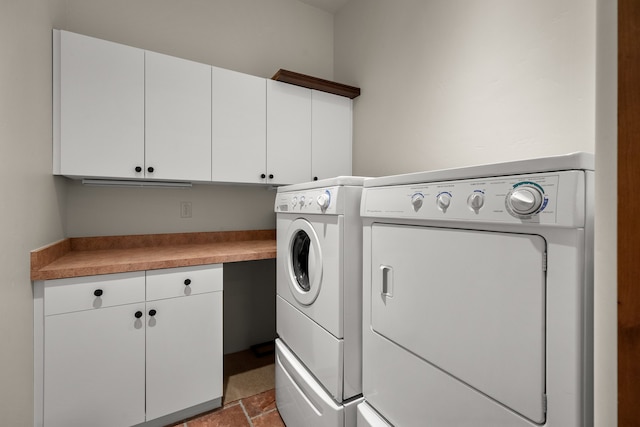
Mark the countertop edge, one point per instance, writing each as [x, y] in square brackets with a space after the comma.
[61, 260]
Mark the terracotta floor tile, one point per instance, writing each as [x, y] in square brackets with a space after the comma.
[260, 403]
[270, 419]
[229, 416]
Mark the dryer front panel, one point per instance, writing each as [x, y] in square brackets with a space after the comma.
[469, 303]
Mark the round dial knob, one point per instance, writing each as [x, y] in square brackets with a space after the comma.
[294, 201]
[475, 201]
[524, 200]
[443, 201]
[416, 201]
[323, 200]
[301, 201]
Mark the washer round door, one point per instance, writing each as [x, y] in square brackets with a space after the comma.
[304, 262]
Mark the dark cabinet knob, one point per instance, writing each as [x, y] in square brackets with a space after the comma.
[98, 292]
[150, 169]
[187, 282]
[138, 314]
[138, 169]
[270, 176]
[152, 312]
[263, 176]
[315, 178]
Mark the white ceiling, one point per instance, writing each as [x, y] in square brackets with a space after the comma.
[331, 6]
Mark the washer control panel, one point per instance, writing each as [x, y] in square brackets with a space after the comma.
[314, 201]
[549, 198]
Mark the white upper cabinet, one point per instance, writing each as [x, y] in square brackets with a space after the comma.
[239, 152]
[98, 107]
[125, 113]
[331, 135]
[122, 112]
[177, 118]
[288, 133]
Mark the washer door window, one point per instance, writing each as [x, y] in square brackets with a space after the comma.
[304, 263]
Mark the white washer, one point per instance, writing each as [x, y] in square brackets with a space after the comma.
[319, 302]
[478, 296]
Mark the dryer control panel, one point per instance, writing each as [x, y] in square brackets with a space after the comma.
[312, 201]
[548, 199]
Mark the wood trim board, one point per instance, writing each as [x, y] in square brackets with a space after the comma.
[310, 82]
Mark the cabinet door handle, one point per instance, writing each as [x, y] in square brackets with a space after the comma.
[138, 169]
[152, 312]
[138, 314]
[98, 292]
[187, 282]
[270, 176]
[150, 169]
[263, 176]
[315, 178]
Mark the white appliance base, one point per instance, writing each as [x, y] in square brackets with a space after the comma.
[302, 401]
[320, 352]
[367, 417]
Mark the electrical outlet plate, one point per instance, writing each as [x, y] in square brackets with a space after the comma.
[185, 209]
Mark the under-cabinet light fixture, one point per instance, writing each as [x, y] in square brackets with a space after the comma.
[135, 184]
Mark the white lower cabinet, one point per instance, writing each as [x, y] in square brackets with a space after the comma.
[121, 349]
[184, 343]
[94, 368]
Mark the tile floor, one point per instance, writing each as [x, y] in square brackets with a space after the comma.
[253, 411]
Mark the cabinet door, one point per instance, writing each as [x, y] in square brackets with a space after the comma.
[331, 120]
[94, 368]
[177, 118]
[239, 126]
[184, 352]
[288, 133]
[100, 107]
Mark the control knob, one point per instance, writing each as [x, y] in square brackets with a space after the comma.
[475, 201]
[323, 200]
[443, 200]
[524, 200]
[416, 201]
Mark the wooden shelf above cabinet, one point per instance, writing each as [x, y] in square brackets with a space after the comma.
[310, 82]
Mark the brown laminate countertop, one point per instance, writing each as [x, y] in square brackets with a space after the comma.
[88, 256]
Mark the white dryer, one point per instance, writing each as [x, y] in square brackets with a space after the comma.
[319, 302]
[478, 296]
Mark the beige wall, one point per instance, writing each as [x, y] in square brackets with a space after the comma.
[606, 300]
[447, 84]
[32, 212]
[104, 211]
